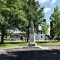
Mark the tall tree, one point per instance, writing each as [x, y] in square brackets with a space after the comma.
[55, 19]
[45, 27]
[11, 15]
[18, 13]
[34, 12]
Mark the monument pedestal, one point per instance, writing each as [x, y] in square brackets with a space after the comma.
[31, 44]
[32, 40]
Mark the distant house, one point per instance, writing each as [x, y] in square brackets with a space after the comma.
[41, 35]
[18, 34]
[15, 34]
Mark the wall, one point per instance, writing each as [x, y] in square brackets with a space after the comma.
[39, 36]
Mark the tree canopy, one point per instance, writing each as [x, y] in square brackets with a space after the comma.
[55, 20]
[35, 12]
[18, 13]
[11, 15]
[45, 27]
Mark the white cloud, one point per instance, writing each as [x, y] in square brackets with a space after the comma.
[53, 2]
[43, 1]
[46, 10]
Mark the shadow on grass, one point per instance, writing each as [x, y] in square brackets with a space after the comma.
[13, 43]
[31, 55]
[9, 44]
[1, 45]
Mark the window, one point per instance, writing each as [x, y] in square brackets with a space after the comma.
[41, 37]
[41, 32]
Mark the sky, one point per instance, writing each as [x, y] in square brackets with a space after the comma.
[49, 6]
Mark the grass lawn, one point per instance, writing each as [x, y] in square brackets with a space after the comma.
[48, 43]
[24, 43]
[13, 44]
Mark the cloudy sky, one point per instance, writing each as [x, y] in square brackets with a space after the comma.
[49, 7]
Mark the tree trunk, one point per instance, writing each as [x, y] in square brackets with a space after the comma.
[2, 35]
[28, 35]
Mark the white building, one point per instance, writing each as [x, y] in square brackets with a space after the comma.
[15, 34]
[18, 35]
[41, 35]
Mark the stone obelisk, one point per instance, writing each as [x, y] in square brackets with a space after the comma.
[31, 34]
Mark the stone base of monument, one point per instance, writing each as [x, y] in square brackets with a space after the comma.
[32, 40]
[35, 48]
[31, 44]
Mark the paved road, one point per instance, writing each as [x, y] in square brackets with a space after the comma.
[30, 53]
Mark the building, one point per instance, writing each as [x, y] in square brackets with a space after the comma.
[41, 35]
[15, 34]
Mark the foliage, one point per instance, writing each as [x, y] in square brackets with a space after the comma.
[55, 20]
[45, 27]
[18, 13]
[11, 15]
[35, 12]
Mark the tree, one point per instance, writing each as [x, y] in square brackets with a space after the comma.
[34, 11]
[18, 13]
[55, 20]
[45, 27]
[11, 15]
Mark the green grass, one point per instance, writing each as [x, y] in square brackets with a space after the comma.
[8, 44]
[13, 44]
[48, 43]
